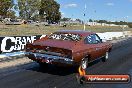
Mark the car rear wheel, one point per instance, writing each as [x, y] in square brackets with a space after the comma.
[84, 63]
[105, 58]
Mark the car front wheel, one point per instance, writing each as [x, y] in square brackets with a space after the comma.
[84, 63]
[105, 58]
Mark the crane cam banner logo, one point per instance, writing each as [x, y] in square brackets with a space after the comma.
[16, 43]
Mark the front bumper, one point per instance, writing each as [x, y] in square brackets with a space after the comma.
[45, 58]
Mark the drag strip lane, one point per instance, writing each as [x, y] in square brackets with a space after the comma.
[53, 77]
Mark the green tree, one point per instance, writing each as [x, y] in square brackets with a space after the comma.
[28, 8]
[49, 10]
[102, 21]
[11, 14]
[90, 20]
[6, 8]
[79, 20]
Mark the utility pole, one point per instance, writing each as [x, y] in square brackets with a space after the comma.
[84, 27]
[72, 20]
[123, 29]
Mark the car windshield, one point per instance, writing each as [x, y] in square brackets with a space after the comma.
[65, 36]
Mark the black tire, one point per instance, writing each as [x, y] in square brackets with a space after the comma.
[106, 57]
[43, 65]
[84, 63]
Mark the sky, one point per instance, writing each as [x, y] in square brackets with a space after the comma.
[113, 10]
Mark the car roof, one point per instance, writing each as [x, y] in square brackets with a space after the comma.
[80, 32]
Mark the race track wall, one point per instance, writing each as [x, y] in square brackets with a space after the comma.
[16, 43]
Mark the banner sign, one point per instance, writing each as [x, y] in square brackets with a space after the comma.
[16, 43]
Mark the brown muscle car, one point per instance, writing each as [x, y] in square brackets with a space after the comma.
[69, 47]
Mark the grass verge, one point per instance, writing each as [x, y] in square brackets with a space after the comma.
[17, 30]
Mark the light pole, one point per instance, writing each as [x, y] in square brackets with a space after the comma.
[84, 26]
[72, 20]
[93, 18]
[125, 20]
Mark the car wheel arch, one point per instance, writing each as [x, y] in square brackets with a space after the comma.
[84, 62]
[86, 56]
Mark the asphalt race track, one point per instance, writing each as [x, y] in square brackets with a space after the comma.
[32, 76]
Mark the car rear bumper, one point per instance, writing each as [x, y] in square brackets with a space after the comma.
[45, 58]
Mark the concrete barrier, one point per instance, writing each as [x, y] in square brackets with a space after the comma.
[114, 35]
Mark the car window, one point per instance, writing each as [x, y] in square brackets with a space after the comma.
[65, 36]
[98, 39]
[92, 39]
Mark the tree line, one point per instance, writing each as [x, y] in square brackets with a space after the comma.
[42, 10]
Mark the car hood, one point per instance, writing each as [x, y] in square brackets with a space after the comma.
[57, 43]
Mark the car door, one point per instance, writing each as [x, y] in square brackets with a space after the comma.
[94, 44]
[100, 46]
